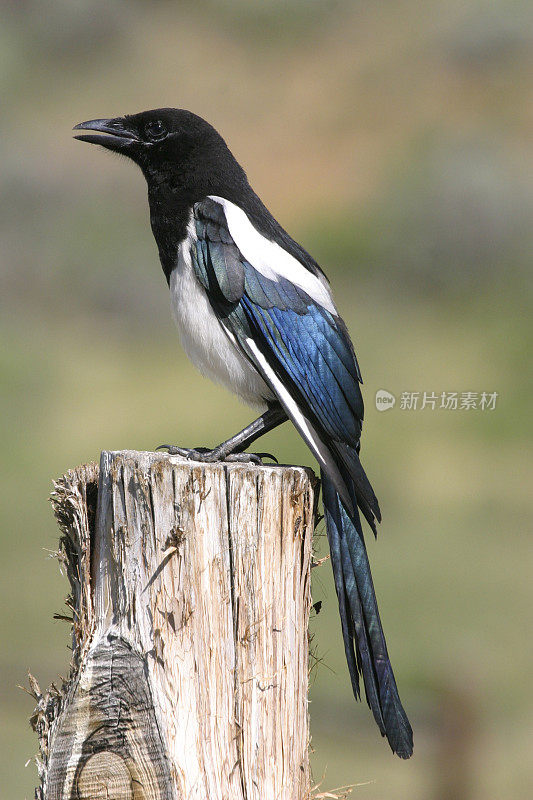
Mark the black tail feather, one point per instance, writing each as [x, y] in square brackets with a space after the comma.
[361, 487]
[360, 619]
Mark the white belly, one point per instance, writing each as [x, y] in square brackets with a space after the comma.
[210, 348]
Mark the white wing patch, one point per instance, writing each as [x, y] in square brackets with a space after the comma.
[270, 259]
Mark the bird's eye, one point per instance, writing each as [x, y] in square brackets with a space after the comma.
[155, 130]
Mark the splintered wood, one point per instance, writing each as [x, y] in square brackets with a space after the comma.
[191, 600]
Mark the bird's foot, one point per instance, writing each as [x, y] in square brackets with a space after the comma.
[206, 456]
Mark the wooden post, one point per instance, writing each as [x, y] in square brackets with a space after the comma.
[190, 597]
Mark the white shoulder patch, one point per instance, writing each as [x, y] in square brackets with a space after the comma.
[271, 260]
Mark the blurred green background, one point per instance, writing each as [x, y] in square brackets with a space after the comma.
[392, 139]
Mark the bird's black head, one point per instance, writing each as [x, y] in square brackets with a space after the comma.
[176, 150]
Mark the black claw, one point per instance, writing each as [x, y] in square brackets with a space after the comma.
[174, 450]
[267, 455]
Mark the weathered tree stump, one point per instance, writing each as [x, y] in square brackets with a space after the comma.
[190, 598]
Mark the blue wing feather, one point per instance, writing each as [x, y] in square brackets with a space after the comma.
[315, 374]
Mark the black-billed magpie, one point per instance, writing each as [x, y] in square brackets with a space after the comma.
[256, 313]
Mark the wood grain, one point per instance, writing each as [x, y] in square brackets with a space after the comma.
[191, 597]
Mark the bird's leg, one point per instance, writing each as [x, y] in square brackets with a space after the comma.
[231, 450]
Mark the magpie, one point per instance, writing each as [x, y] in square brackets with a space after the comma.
[256, 313]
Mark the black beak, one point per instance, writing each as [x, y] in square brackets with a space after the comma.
[120, 139]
